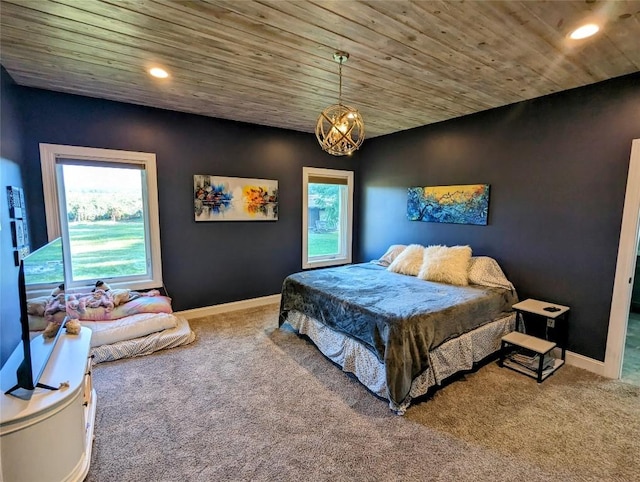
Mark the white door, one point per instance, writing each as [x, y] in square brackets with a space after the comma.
[625, 268]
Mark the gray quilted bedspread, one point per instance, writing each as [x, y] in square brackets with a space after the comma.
[399, 318]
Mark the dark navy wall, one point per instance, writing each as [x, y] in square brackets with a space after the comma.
[557, 167]
[204, 263]
[10, 175]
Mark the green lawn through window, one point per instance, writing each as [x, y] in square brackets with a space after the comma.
[107, 249]
[323, 244]
[100, 249]
[45, 264]
[104, 249]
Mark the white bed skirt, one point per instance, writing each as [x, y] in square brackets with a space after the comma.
[455, 355]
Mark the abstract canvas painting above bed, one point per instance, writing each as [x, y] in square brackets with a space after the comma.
[395, 328]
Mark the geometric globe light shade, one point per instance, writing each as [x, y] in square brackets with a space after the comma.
[340, 128]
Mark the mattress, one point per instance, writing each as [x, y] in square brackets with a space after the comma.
[128, 327]
[179, 335]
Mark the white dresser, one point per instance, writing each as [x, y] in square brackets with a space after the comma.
[49, 436]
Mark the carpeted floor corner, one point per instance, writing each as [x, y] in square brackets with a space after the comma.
[250, 402]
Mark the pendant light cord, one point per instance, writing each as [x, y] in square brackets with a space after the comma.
[340, 92]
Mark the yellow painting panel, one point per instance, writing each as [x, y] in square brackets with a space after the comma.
[453, 194]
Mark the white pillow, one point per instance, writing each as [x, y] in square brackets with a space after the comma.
[391, 254]
[486, 271]
[128, 327]
[408, 261]
[446, 265]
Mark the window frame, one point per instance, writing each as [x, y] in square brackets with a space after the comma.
[346, 221]
[50, 153]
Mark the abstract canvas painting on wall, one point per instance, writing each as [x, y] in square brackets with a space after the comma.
[467, 204]
[234, 199]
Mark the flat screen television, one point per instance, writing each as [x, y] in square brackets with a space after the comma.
[35, 352]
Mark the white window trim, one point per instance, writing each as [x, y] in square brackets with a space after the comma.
[346, 224]
[49, 153]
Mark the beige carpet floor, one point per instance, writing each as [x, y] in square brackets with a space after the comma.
[250, 402]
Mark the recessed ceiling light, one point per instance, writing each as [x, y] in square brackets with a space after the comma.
[159, 73]
[585, 31]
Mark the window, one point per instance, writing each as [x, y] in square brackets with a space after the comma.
[104, 205]
[327, 213]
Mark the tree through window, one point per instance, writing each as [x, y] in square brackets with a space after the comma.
[327, 217]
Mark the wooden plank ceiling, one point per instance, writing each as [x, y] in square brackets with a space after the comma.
[270, 62]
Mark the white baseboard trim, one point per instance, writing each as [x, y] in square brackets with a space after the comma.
[227, 307]
[586, 363]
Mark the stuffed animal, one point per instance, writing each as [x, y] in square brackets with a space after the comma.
[120, 296]
[101, 285]
[101, 298]
[58, 290]
[51, 329]
[75, 304]
[73, 326]
[54, 305]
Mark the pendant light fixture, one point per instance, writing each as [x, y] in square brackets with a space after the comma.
[340, 129]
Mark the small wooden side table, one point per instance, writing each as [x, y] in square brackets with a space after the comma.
[538, 363]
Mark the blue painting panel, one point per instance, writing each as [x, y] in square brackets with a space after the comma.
[466, 204]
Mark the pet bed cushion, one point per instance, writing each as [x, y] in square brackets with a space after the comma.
[128, 327]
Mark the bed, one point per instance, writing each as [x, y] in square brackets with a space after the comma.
[398, 333]
[124, 323]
